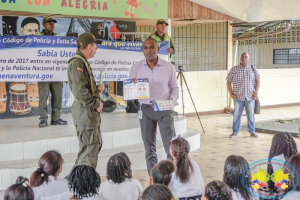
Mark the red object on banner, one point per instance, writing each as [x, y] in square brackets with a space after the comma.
[116, 34]
[132, 3]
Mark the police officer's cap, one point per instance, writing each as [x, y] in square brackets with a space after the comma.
[48, 19]
[161, 21]
[88, 38]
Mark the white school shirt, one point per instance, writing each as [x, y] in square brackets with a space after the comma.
[238, 196]
[54, 186]
[130, 189]
[278, 157]
[2, 194]
[292, 196]
[67, 195]
[195, 186]
[175, 197]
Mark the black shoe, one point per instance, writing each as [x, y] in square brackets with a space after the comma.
[59, 122]
[43, 123]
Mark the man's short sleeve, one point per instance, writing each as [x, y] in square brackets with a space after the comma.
[230, 75]
[256, 73]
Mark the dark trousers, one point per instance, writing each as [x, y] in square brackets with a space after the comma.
[56, 100]
[90, 143]
[149, 122]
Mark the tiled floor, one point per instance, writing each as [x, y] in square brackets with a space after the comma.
[216, 146]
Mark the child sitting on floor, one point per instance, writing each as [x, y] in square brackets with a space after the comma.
[187, 180]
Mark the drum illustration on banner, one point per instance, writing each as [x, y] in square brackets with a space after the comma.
[33, 94]
[3, 97]
[18, 99]
[30, 60]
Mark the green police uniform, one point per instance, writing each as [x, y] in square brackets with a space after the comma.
[56, 92]
[164, 37]
[84, 110]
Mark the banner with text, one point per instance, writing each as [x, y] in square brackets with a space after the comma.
[45, 58]
[131, 9]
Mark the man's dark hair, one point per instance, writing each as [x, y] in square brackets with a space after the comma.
[217, 190]
[151, 39]
[19, 190]
[157, 192]
[162, 172]
[29, 20]
[118, 168]
[83, 181]
[234, 168]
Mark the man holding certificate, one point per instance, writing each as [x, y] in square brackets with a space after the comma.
[163, 86]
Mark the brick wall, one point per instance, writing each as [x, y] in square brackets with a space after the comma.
[208, 89]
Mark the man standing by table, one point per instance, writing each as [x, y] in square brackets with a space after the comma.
[163, 86]
[246, 80]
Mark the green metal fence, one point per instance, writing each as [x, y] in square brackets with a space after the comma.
[199, 47]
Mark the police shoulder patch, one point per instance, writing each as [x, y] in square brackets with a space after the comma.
[79, 69]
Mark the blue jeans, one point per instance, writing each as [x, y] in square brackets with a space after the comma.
[238, 110]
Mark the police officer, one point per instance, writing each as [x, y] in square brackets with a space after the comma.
[87, 105]
[54, 87]
[160, 35]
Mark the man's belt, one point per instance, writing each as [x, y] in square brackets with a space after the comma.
[147, 105]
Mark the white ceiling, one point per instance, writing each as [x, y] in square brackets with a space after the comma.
[255, 10]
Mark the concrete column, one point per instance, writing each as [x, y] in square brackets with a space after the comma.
[229, 57]
[169, 28]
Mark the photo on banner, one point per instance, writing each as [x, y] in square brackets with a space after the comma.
[47, 57]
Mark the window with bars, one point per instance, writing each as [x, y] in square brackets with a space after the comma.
[286, 56]
[199, 47]
[280, 50]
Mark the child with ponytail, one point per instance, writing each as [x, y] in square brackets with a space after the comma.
[187, 181]
[161, 173]
[45, 181]
[19, 191]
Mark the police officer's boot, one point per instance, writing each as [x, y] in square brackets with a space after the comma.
[59, 122]
[43, 123]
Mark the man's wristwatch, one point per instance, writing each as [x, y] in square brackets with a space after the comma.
[256, 92]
